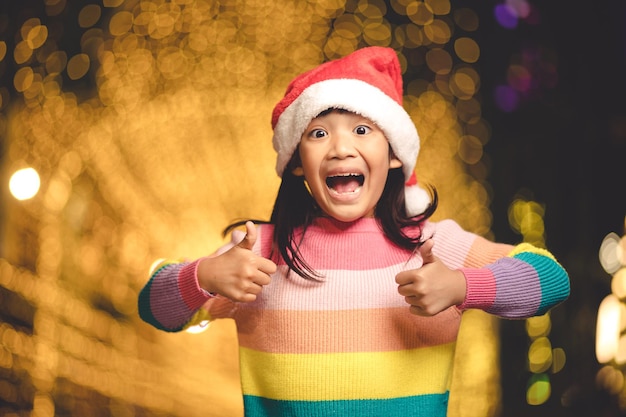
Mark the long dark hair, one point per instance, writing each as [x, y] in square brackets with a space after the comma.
[294, 207]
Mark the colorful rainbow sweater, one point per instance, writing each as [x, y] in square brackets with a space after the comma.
[347, 345]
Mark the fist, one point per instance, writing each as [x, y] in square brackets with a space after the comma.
[238, 274]
[433, 287]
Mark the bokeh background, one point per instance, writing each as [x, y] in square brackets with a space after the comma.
[133, 131]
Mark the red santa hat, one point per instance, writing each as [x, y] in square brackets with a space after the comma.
[367, 82]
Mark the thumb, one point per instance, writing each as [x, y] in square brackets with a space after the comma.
[250, 238]
[426, 250]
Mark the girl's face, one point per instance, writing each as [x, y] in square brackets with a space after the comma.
[345, 161]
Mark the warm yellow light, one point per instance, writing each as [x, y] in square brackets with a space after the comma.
[558, 360]
[608, 329]
[538, 326]
[618, 284]
[24, 183]
[539, 390]
[611, 254]
[540, 355]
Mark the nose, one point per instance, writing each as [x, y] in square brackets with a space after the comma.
[342, 145]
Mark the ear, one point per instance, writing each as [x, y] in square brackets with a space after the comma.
[395, 162]
[298, 171]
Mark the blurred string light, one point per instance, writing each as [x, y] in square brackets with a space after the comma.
[526, 218]
[532, 70]
[509, 13]
[150, 132]
[611, 320]
[24, 183]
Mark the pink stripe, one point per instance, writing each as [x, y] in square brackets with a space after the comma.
[343, 331]
[357, 246]
[481, 289]
[340, 290]
[190, 291]
[458, 248]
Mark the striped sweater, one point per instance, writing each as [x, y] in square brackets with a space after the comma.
[347, 345]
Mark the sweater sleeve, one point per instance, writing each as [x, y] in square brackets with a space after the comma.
[172, 296]
[172, 299]
[508, 281]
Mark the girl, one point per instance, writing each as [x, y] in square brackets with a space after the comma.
[348, 301]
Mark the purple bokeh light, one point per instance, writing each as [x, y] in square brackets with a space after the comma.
[506, 98]
[506, 16]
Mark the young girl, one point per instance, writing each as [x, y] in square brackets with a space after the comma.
[348, 302]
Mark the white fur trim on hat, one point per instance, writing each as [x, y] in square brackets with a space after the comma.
[353, 95]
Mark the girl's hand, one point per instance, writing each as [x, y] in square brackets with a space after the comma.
[237, 274]
[432, 288]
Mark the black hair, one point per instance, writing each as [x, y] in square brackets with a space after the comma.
[294, 208]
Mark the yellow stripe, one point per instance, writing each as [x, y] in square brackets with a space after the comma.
[527, 247]
[345, 376]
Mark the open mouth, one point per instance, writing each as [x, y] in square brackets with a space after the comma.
[345, 183]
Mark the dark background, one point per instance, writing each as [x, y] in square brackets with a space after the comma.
[564, 147]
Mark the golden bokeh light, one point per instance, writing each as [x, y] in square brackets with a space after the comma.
[466, 19]
[420, 13]
[78, 66]
[540, 355]
[89, 15]
[618, 284]
[24, 183]
[610, 379]
[608, 329]
[3, 50]
[526, 217]
[165, 141]
[539, 326]
[36, 36]
[467, 50]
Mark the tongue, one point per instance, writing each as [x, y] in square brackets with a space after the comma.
[345, 184]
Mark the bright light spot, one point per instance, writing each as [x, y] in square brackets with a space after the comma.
[608, 329]
[611, 256]
[539, 389]
[198, 328]
[156, 265]
[24, 183]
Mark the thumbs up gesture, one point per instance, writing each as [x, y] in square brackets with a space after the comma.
[238, 274]
[433, 287]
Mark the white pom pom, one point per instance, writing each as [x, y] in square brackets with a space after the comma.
[417, 200]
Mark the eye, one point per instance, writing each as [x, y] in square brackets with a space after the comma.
[317, 133]
[362, 130]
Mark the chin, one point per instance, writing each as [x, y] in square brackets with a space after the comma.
[349, 217]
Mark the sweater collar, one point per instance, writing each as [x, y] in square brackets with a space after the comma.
[331, 225]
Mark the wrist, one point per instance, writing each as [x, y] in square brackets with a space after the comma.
[480, 290]
[461, 288]
[204, 274]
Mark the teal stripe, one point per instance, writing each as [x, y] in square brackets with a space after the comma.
[432, 405]
[554, 281]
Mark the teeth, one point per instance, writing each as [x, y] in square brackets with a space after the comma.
[345, 183]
